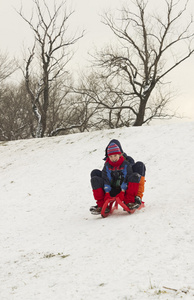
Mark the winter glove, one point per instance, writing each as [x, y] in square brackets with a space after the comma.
[121, 195]
[124, 186]
[107, 196]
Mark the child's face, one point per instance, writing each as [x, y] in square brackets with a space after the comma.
[114, 157]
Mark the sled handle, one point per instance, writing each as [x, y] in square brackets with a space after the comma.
[105, 205]
[111, 201]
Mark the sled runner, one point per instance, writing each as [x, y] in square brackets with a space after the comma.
[112, 204]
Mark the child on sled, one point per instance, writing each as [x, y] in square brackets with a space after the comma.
[120, 177]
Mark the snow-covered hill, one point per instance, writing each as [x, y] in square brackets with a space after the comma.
[53, 248]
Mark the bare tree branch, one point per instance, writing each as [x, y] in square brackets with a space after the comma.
[142, 58]
[51, 51]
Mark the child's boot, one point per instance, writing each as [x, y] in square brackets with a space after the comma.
[92, 208]
[99, 197]
[132, 191]
[98, 192]
[138, 198]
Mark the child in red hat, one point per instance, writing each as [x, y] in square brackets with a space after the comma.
[116, 179]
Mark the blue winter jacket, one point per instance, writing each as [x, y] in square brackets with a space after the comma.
[116, 175]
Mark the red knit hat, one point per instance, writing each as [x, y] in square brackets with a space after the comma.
[113, 149]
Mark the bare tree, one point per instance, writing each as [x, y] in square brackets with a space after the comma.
[74, 116]
[149, 47]
[67, 113]
[106, 104]
[49, 56]
[16, 120]
[7, 66]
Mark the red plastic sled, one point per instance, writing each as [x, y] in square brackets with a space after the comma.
[112, 204]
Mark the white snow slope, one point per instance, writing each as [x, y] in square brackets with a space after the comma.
[53, 248]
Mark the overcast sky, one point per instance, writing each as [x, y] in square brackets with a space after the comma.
[15, 34]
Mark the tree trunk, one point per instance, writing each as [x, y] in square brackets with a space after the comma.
[141, 113]
[39, 121]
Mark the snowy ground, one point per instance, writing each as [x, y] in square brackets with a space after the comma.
[53, 248]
